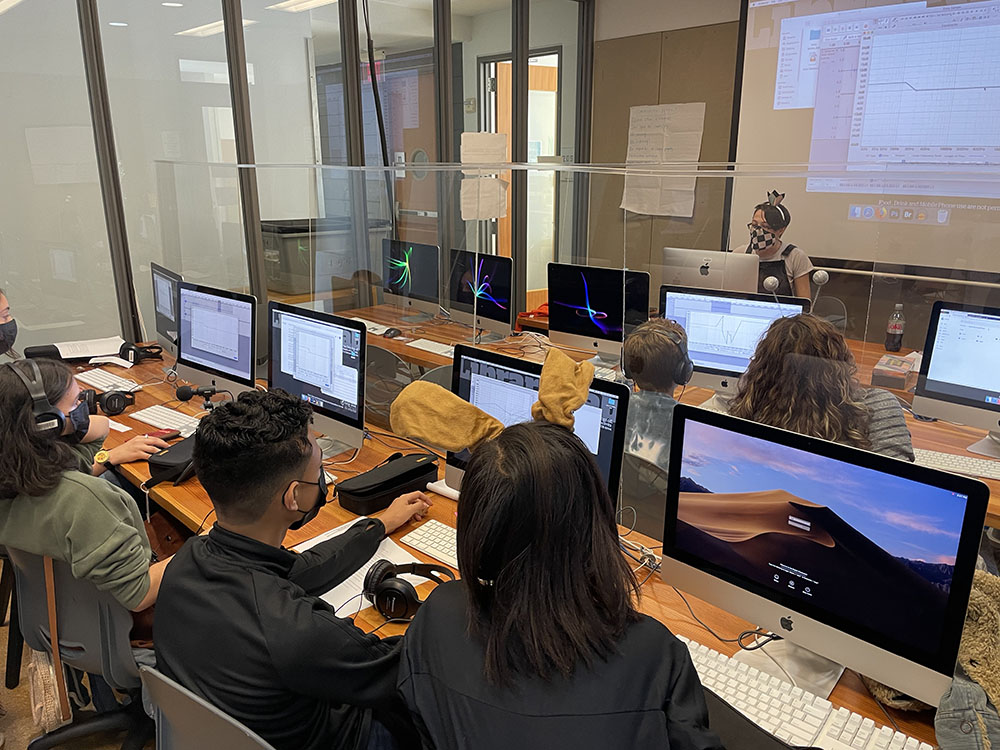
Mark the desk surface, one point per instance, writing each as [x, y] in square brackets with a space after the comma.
[190, 504]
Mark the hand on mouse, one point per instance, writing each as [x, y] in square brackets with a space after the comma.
[137, 449]
[411, 506]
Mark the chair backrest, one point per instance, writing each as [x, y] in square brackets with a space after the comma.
[833, 310]
[93, 626]
[386, 375]
[186, 722]
[644, 488]
[440, 375]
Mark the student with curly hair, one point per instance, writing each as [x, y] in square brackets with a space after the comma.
[803, 378]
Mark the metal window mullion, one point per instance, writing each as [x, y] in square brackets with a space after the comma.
[520, 18]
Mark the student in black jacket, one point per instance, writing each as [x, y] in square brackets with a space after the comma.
[539, 645]
[239, 620]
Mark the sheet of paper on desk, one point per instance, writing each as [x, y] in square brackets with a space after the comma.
[350, 589]
[118, 426]
[90, 348]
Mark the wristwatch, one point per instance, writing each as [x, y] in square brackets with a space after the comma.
[103, 457]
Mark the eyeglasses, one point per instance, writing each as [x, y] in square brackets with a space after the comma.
[755, 225]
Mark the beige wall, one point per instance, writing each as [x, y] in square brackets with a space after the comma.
[620, 18]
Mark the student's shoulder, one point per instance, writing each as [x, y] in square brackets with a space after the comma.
[877, 399]
[76, 485]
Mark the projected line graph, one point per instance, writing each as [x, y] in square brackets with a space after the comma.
[726, 333]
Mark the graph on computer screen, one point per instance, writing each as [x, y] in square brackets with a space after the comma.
[508, 402]
[724, 332]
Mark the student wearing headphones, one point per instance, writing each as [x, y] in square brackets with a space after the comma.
[281, 661]
[655, 359]
[50, 502]
[786, 263]
[540, 645]
[8, 328]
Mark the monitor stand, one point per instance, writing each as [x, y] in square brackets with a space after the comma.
[419, 317]
[809, 670]
[442, 488]
[719, 401]
[989, 446]
[487, 338]
[332, 447]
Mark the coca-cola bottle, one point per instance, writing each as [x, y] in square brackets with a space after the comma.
[894, 330]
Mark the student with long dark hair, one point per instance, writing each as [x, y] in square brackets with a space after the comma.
[540, 645]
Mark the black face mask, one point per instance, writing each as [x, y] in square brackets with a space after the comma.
[309, 515]
[79, 417]
[8, 334]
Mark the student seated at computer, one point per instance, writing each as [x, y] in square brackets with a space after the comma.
[654, 353]
[50, 502]
[239, 620]
[785, 262]
[8, 327]
[539, 645]
[803, 378]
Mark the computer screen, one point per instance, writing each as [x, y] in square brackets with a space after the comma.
[586, 301]
[723, 328]
[482, 281]
[506, 388]
[165, 300]
[963, 356]
[880, 549]
[216, 331]
[636, 299]
[320, 358]
[410, 269]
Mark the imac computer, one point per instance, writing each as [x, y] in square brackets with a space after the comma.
[959, 377]
[710, 269]
[480, 292]
[411, 278]
[723, 329]
[589, 307]
[165, 307]
[216, 334]
[321, 359]
[849, 556]
[506, 388]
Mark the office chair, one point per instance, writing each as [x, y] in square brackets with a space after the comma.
[15, 641]
[93, 637]
[386, 375]
[186, 722]
[831, 309]
[439, 375]
[644, 488]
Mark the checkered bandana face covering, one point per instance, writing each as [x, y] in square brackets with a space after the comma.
[761, 239]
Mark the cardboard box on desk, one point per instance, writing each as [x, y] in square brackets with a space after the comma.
[895, 372]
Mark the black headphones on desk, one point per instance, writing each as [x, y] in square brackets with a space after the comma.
[685, 367]
[394, 598]
[49, 421]
[112, 403]
[137, 353]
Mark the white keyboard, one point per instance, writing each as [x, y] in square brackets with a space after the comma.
[956, 464]
[164, 418]
[105, 381]
[605, 373]
[435, 539]
[790, 713]
[375, 329]
[445, 350]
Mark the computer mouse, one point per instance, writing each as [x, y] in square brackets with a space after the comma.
[391, 333]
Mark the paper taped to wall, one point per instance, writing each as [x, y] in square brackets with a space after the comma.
[663, 134]
[483, 198]
[483, 148]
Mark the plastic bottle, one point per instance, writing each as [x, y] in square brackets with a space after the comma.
[894, 331]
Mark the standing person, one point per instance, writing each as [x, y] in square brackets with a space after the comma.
[540, 645]
[803, 378]
[240, 621]
[8, 328]
[785, 262]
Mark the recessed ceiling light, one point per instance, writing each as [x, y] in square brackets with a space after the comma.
[297, 6]
[117, 23]
[172, 5]
[6, 5]
[209, 29]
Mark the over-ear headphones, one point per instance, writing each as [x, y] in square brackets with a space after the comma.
[49, 421]
[136, 353]
[111, 403]
[393, 597]
[684, 368]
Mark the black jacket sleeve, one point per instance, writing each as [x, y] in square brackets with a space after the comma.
[687, 714]
[332, 562]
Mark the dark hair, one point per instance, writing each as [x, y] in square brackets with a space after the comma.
[538, 550]
[30, 463]
[248, 450]
[651, 356]
[777, 216]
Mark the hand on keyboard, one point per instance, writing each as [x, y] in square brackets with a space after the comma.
[405, 508]
[137, 449]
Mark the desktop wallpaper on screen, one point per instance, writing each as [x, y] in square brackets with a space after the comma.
[482, 284]
[869, 547]
[580, 297]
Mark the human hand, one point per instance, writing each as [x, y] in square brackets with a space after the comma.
[411, 506]
[137, 449]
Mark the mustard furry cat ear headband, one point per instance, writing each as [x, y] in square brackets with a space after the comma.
[429, 413]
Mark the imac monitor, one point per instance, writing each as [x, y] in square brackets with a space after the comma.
[215, 345]
[480, 291]
[959, 377]
[411, 278]
[321, 359]
[506, 388]
[723, 328]
[710, 269]
[636, 299]
[165, 306]
[587, 308]
[865, 560]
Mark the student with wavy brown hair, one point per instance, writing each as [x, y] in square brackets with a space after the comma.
[803, 378]
[540, 645]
